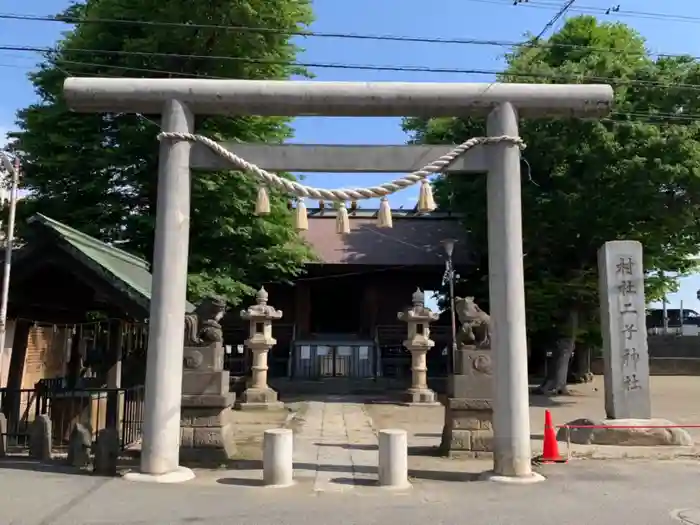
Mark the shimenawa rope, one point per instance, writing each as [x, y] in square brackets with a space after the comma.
[426, 202]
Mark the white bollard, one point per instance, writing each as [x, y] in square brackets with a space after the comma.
[393, 458]
[278, 467]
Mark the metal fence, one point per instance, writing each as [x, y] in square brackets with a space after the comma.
[132, 416]
[395, 360]
[347, 359]
[383, 357]
[239, 360]
[95, 408]
[20, 407]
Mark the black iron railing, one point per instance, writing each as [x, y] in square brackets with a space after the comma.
[94, 408]
[395, 359]
[20, 407]
[239, 360]
[132, 418]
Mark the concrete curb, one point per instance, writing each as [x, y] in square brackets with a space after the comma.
[653, 453]
[621, 452]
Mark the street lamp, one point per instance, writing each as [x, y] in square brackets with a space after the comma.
[449, 247]
[9, 240]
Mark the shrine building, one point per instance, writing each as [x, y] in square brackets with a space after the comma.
[340, 317]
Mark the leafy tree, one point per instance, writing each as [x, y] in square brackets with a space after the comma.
[98, 172]
[634, 176]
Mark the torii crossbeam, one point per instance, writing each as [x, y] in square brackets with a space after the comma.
[178, 100]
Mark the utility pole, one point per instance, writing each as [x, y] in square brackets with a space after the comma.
[9, 241]
[664, 309]
[449, 246]
[550, 24]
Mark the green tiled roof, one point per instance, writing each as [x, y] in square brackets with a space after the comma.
[125, 271]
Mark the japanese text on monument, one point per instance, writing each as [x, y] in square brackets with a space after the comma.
[623, 323]
[629, 320]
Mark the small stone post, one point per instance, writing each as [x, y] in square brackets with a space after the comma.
[393, 458]
[3, 435]
[418, 318]
[79, 445]
[278, 452]
[260, 316]
[106, 452]
[40, 438]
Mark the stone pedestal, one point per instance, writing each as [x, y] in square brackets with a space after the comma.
[260, 396]
[206, 426]
[419, 393]
[626, 432]
[260, 316]
[468, 424]
[468, 427]
[418, 318]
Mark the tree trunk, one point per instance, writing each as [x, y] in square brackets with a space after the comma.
[537, 356]
[581, 372]
[558, 366]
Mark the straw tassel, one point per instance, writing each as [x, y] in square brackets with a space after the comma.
[301, 219]
[384, 219]
[342, 221]
[262, 204]
[426, 202]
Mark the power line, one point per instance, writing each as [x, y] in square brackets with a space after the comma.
[319, 34]
[248, 29]
[575, 78]
[594, 10]
[554, 19]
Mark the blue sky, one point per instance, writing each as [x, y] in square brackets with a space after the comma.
[478, 19]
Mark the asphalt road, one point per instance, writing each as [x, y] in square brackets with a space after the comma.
[580, 493]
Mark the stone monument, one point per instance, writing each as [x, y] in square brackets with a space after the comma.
[106, 452]
[418, 318]
[623, 318]
[40, 442]
[205, 424]
[260, 316]
[79, 446]
[3, 435]
[625, 356]
[468, 424]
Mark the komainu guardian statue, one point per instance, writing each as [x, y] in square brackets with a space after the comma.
[202, 326]
[475, 323]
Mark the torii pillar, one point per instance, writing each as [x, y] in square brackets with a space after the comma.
[179, 100]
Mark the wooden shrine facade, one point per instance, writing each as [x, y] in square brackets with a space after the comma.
[340, 318]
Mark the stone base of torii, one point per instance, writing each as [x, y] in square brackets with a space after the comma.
[179, 100]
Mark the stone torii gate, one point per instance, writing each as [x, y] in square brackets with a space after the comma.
[179, 100]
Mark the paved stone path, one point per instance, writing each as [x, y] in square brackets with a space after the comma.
[336, 446]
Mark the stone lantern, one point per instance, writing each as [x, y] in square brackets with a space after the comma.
[418, 318]
[260, 317]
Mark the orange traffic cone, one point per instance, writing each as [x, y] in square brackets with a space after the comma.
[550, 449]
